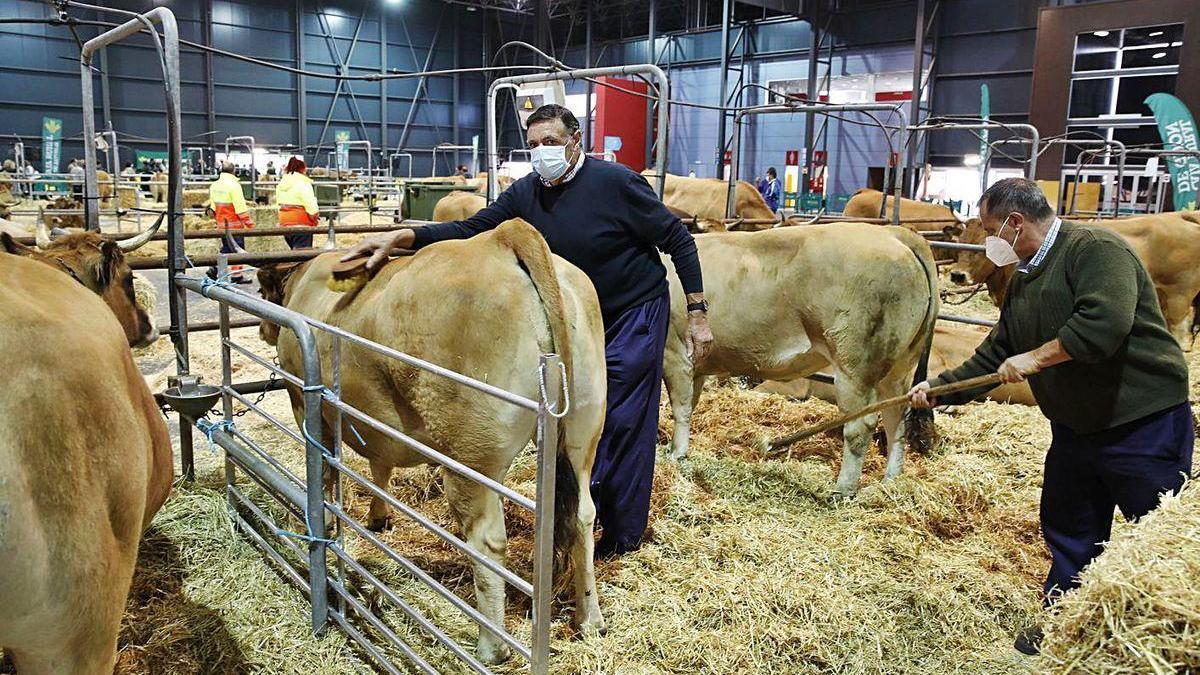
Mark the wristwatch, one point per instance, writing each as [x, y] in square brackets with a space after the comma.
[701, 306]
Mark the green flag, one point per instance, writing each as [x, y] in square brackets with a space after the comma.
[341, 137]
[1178, 131]
[51, 144]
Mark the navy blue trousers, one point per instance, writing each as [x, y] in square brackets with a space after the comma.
[623, 472]
[295, 241]
[1088, 474]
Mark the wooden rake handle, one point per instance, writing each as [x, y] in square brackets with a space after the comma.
[783, 442]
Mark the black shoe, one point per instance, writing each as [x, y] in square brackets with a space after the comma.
[1029, 641]
[241, 280]
[211, 273]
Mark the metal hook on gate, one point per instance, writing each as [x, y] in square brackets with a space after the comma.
[566, 391]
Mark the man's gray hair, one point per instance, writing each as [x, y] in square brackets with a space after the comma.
[1019, 195]
[228, 167]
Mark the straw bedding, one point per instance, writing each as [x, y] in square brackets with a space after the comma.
[748, 567]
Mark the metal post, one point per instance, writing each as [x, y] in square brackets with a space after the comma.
[914, 112]
[177, 261]
[587, 63]
[814, 95]
[543, 562]
[210, 105]
[721, 96]
[301, 90]
[651, 36]
[226, 378]
[383, 83]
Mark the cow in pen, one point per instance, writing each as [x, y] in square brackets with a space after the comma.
[487, 307]
[789, 302]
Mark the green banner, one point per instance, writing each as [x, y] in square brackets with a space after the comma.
[1178, 131]
[341, 137]
[149, 156]
[51, 144]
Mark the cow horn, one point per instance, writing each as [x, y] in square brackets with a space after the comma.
[42, 235]
[962, 220]
[139, 240]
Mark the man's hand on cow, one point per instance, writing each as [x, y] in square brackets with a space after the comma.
[1017, 368]
[699, 337]
[380, 247]
[919, 398]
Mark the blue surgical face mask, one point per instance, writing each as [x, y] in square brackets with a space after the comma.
[550, 161]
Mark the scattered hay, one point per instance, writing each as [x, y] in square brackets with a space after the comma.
[747, 567]
[127, 197]
[194, 198]
[1138, 609]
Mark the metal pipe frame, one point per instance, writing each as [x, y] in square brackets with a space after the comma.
[281, 484]
[1122, 156]
[247, 141]
[1034, 135]
[392, 158]
[516, 80]
[822, 109]
[452, 148]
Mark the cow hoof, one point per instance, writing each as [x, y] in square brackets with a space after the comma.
[590, 629]
[841, 496]
[493, 653]
[678, 456]
[377, 524]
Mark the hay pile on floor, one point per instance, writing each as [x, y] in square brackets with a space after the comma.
[1138, 609]
[194, 198]
[127, 197]
[747, 568]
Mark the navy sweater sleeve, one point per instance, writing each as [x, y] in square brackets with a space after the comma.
[488, 218]
[654, 224]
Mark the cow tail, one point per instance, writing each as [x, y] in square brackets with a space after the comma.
[919, 430]
[534, 257]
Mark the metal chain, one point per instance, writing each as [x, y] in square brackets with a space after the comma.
[263, 394]
[946, 293]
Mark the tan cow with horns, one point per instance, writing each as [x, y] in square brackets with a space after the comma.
[85, 459]
[486, 307]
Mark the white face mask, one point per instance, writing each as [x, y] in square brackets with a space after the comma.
[550, 161]
[998, 250]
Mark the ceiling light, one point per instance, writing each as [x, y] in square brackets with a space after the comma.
[1156, 33]
[971, 160]
[1101, 33]
[1158, 55]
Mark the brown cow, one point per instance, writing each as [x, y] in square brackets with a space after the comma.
[788, 302]
[1167, 243]
[952, 344]
[158, 186]
[705, 198]
[865, 204]
[85, 458]
[458, 205]
[512, 301]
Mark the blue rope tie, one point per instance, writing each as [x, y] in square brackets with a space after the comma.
[303, 537]
[326, 392]
[209, 428]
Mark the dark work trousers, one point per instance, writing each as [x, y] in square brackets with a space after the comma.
[623, 472]
[235, 271]
[295, 241]
[1127, 466]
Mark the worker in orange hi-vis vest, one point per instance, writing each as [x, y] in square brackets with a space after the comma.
[297, 202]
[229, 205]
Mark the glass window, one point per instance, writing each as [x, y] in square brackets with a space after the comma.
[1106, 60]
[1099, 39]
[1153, 35]
[1132, 92]
[1148, 56]
[1142, 135]
[1091, 98]
[1071, 153]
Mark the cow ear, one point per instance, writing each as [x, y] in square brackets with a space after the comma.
[110, 262]
[12, 246]
[954, 230]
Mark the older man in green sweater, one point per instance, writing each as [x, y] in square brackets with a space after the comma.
[1081, 321]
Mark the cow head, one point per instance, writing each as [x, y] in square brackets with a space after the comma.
[273, 286]
[973, 267]
[98, 264]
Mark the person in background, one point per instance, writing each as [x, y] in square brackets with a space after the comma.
[297, 202]
[271, 172]
[75, 170]
[1082, 322]
[128, 170]
[229, 208]
[760, 184]
[772, 192]
[462, 171]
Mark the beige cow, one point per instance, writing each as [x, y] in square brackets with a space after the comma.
[952, 345]
[85, 458]
[705, 198]
[789, 302]
[512, 302]
[1167, 243]
[458, 205]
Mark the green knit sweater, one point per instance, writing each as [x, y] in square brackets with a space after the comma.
[1093, 293]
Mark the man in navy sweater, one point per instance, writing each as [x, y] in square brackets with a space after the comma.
[605, 219]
